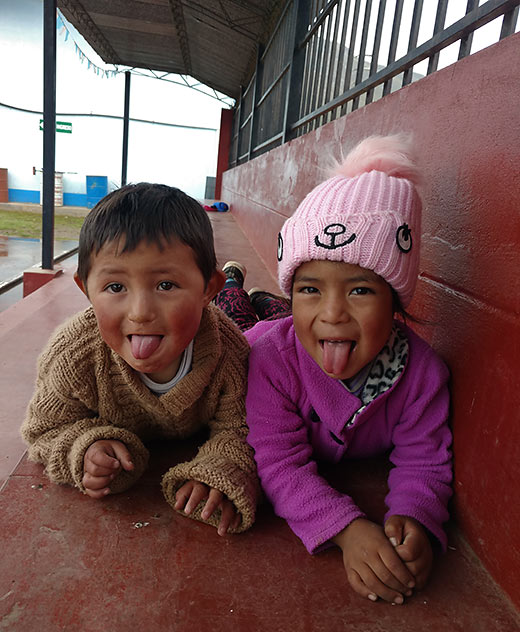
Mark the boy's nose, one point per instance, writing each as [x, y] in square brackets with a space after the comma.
[141, 309]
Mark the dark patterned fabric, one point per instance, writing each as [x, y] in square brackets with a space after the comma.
[234, 301]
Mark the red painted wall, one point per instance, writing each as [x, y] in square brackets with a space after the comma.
[466, 121]
[224, 143]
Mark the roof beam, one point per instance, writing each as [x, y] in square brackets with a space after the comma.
[180, 26]
[76, 14]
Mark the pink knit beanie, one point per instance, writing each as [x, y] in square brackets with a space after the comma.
[368, 214]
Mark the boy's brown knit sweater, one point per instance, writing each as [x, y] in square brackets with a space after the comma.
[85, 392]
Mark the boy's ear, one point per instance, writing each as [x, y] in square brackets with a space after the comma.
[215, 284]
[80, 284]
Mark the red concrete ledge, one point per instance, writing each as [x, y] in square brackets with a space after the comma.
[34, 278]
[73, 563]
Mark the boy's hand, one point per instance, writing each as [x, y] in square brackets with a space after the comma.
[412, 545]
[102, 463]
[191, 493]
[374, 569]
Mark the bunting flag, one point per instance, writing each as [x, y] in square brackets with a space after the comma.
[64, 32]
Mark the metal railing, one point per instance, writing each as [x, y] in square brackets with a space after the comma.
[327, 58]
[9, 284]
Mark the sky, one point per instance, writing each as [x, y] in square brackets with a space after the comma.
[172, 155]
[176, 156]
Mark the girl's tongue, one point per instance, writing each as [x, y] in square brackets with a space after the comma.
[144, 346]
[335, 356]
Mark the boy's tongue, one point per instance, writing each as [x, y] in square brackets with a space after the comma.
[144, 346]
[335, 356]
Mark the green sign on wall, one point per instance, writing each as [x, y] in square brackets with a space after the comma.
[61, 126]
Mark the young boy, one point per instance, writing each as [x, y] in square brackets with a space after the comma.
[149, 358]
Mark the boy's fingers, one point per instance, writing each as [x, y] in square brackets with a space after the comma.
[123, 455]
[214, 500]
[237, 521]
[96, 486]
[99, 493]
[101, 470]
[182, 495]
[101, 459]
[198, 493]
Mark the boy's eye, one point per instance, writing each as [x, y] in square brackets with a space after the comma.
[114, 288]
[165, 285]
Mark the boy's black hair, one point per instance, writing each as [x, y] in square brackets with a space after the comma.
[156, 213]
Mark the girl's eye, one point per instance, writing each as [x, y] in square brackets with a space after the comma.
[361, 291]
[165, 285]
[115, 288]
[308, 290]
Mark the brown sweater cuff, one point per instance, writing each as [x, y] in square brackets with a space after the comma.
[240, 487]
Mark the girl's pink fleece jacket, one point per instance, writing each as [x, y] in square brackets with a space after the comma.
[297, 415]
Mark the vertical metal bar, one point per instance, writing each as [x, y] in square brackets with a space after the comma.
[440, 18]
[126, 125]
[325, 69]
[301, 17]
[414, 34]
[509, 23]
[332, 63]
[362, 49]
[341, 56]
[377, 46]
[238, 115]
[311, 66]
[465, 42]
[350, 57]
[316, 83]
[49, 132]
[256, 90]
[396, 26]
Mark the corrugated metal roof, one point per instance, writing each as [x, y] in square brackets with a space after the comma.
[214, 41]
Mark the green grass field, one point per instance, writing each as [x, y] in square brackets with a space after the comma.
[21, 224]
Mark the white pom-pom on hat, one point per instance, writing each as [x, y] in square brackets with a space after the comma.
[392, 155]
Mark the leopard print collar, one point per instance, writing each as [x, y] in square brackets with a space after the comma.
[385, 370]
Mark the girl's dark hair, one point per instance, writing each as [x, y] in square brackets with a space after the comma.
[400, 310]
[156, 213]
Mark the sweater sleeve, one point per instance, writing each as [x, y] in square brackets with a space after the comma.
[61, 421]
[225, 461]
[314, 510]
[420, 482]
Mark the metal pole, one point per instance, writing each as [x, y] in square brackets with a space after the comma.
[126, 120]
[49, 131]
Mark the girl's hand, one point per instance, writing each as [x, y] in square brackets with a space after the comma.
[102, 462]
[412, 545]
[374, 569]
[191, 493]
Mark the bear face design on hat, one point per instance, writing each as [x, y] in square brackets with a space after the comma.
[368, 214]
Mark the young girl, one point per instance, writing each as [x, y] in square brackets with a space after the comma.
[340, 378]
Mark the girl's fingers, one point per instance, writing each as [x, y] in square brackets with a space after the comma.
[394, 572]
[368, 585]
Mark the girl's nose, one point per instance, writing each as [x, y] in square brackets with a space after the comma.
[335, 309]
[141, 309]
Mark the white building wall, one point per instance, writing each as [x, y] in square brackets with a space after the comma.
[172, 155]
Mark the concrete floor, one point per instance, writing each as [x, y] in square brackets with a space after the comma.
[129, 561]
